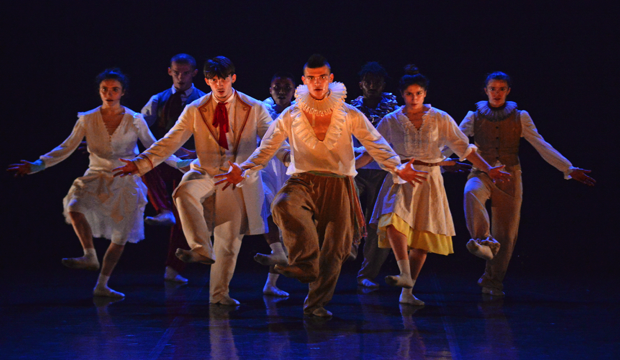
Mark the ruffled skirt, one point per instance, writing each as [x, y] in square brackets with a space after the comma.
[421, 212]
[113, 206]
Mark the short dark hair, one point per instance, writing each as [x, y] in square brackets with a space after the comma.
[219, 66]
[184, 59]
[283, 75]
[412, 77]
[498, 75]
[373, 68]
[316, 61]
[112, 74]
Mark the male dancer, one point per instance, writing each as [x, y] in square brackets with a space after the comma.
[226, 125]
[375, 104]
[274, 175]
[497, 127]
[161, 112]
[318, 209]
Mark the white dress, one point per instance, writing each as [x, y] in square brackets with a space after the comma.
[425, 206]
[113, 206]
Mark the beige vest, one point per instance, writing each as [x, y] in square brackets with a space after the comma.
[498, 140]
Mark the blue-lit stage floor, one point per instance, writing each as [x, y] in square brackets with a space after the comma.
[51, 315]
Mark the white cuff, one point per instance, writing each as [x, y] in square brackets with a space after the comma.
[568, 172]
[37, 166]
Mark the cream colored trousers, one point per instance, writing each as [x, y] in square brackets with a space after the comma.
[204, 210]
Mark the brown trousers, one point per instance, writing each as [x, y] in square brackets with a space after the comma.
[504, 225]
[315, 215]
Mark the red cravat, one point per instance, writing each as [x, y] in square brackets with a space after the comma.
[220, 119]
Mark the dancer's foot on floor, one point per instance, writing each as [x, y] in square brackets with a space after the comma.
[399, 281]
[319, 312]
[408, 298]
[227, 301]
[173, 276]
[271, 259]
[367, 283]
[107, 292]
[296, 273]
[188, 256]
[272, 290]
[86, 262]
[493, 292]
[164, 218]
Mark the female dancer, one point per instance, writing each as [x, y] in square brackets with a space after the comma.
[99, 204]
[497, 127]
[417, 220]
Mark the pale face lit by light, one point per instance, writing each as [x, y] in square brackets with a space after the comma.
[222, 87]
[414, 96]
[182, 75]
[111, 92]
[281, 91]
[497, 91]
[318, 81]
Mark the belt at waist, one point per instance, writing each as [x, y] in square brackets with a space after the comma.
[441, 163]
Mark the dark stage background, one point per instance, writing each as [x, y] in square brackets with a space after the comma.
[562, 57]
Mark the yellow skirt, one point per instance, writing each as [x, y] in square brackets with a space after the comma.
[417, 239]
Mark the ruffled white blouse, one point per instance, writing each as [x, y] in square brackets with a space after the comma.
[333, 154]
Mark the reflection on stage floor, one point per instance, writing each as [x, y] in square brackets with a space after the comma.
[53, 316]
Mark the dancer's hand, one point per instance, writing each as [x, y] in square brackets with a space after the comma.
[24, 168]
[411, 175]
[580, 175]
[232, 177]
[496, 174]
[129, 169]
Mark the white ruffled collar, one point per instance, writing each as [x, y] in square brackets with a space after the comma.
[305, 132]
[496, 114]
[333, 100]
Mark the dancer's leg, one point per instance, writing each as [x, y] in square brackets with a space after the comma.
[84, 233]
[189, 197]
[398, 241]
[110, 259]
[293, 211]
[506, 211]
[335, 228]
[229, 219]
[417, 257]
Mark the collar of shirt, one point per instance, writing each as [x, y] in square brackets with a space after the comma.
[228, 102]
[185, 93]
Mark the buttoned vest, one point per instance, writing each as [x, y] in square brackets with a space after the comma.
[162, 99]
[498, 140]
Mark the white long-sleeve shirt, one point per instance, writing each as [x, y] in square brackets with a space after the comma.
[334, 154]
[529, 132]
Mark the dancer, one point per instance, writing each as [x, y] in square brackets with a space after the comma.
[497, 127]
[226, 125]
[375, 104]
[161, 112]
[318, 209]
[98, 204]
[274, 176]
[416, 220]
